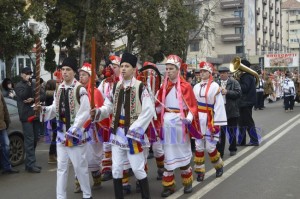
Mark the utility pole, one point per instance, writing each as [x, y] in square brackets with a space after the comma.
[298, 40]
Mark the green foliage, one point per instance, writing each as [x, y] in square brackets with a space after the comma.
[152, 27]
[15, 36]
[178, 23]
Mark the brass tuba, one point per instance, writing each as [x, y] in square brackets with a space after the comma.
[238, 69]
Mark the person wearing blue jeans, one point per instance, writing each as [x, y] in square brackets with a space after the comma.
[4, 141]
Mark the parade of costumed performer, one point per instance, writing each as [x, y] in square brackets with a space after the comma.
[132, 110]
[212, 115]
[177, 106]
[112, 76]
[71, 113]
[94, 147]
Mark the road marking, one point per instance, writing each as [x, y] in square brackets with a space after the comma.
[239, 165]
[211, 172]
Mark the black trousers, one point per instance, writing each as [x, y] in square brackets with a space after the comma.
[246, 123]
[259, 100]
[231, 130]
[289, 102]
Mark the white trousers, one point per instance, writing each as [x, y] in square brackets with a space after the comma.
[94, 155]
[157, 149]
[208, 144]
[77, 155]
[137, 163]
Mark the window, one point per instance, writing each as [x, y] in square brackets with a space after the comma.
[238, 30]
[21, 64]
[196, 11]
[295, 40]
[194, 46]
[28, 62]
[238, 13]
[238, 49]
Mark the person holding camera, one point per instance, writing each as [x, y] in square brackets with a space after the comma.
[25, 99]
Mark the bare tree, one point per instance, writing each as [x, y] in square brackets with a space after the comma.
[205, 12]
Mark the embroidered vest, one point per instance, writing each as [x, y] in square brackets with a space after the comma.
[73, 103]
[135, 103]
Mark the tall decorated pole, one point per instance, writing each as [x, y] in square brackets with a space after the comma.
[93, 76]
[37, 74]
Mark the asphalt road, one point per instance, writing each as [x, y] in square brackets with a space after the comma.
[271, 170]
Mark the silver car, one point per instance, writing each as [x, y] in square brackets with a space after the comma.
[15, 134]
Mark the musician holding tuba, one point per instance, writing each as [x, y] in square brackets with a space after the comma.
[247, 100]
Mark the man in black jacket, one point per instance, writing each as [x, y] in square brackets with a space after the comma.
[246, 103]
[231, 91]
[25, 99]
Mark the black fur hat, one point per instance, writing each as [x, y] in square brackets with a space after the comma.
[129, 58]
[70, 62]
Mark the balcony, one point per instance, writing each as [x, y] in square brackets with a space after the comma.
[232, 4]
[265, 16]
[271, 6]
[232, 37]
[258, 26]
[258, 11]
[232, 21]
[272, 32]
[277, 35]
[277, 22]
[265, 2]
[265, 44]
[277, 11]
[271, 19]
[192, 2]
[265, 30]
[258, 41]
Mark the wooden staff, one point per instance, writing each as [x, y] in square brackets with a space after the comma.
[93, 77]
[37, 88]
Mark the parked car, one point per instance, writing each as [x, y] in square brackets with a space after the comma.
[15, 134]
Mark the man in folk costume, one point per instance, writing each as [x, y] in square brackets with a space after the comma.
[71, 108]
[94, 146]
[212, 115]
[112, 74]
[132, 110]
[178, 107]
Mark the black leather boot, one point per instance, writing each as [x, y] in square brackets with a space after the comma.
[118, 188]
[144, 185]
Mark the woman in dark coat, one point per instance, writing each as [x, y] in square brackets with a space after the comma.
[8, 89]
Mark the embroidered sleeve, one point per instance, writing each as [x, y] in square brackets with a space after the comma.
[137, 129]
[83, 112]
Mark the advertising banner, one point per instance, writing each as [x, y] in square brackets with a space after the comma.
[281, 60]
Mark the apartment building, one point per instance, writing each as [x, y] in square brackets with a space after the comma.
[291, 24]
[247, 28]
